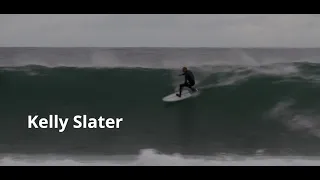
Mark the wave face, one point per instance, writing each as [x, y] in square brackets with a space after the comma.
[252, 101]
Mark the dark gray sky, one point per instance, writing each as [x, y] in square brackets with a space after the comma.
[160, 30]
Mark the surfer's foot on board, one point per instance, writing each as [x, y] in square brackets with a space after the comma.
[178, 95]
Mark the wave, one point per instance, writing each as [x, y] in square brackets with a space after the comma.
[240, 110]
[155, 58]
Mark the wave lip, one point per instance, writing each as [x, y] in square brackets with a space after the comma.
[155, 58]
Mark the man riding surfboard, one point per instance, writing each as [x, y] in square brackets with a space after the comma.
[188, 82]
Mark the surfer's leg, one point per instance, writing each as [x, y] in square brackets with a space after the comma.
[192, 88]
[180, 89]
[190, 85]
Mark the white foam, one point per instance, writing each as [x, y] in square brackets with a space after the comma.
[296, 120]
[150, 157]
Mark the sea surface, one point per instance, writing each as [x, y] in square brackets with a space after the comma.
[256, 106]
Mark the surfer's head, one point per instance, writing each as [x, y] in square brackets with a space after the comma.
[184, 69]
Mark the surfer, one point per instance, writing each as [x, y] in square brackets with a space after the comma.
[188, 82]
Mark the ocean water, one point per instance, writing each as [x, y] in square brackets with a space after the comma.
[256, 106]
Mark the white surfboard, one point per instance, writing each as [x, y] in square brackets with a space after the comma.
[184, 95]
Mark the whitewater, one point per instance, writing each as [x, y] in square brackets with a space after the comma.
[150, 157]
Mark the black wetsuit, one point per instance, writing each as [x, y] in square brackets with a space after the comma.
[189, 81]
